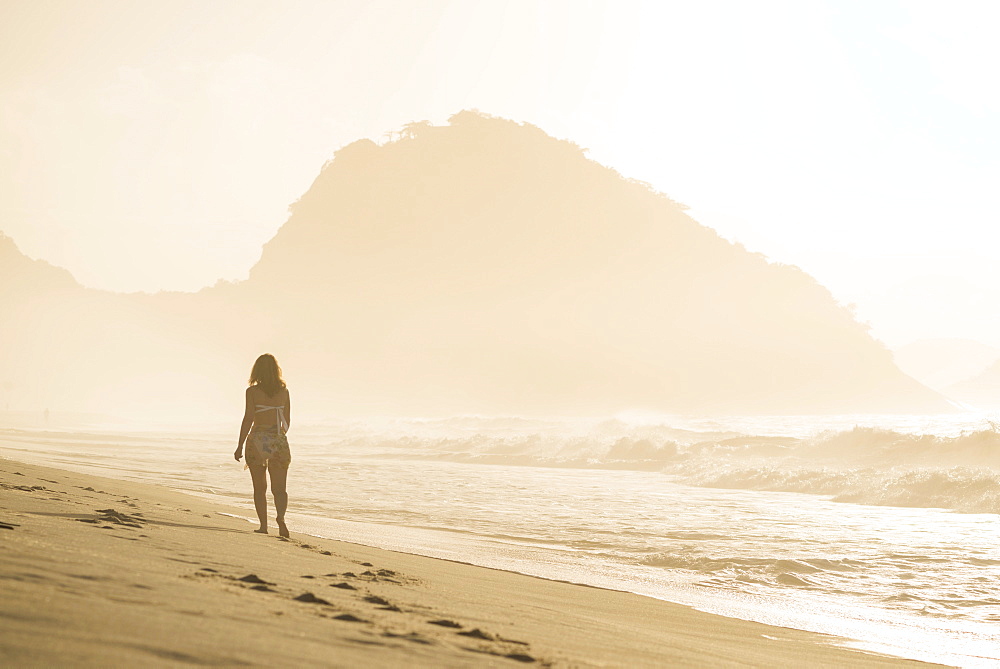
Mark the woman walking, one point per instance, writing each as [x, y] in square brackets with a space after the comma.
[265, 421]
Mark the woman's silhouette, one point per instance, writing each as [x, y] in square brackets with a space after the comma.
[268, 413]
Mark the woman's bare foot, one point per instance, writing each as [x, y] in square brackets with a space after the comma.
[282, 529]
[262, 530]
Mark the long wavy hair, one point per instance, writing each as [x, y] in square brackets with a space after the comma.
[267, 375]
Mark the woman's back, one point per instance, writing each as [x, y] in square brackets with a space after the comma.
[264, 415]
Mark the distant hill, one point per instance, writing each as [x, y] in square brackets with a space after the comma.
[33, 323]
[981, 391]
[75, 349]
[485, 267]
[940, 363]
[20, 275]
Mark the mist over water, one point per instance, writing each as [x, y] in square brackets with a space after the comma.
[881, 529]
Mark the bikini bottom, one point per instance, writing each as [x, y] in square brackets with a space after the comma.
[268, 447]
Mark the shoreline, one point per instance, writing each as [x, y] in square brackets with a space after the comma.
[179, 592]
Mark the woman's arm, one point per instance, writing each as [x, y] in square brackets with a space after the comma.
[245, 427]
[288, 407]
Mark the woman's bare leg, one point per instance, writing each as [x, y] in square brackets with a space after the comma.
[259, 475]
[278, 477]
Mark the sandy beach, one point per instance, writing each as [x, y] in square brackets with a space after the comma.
[103, 572]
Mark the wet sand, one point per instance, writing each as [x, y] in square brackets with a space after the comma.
[103, 572]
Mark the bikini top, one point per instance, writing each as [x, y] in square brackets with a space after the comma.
[279, 415]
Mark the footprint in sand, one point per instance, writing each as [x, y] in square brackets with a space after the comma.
[410, 636]
[26, 488]
[310, 598]
[380, 575]
[112, 516]
[446, 623]
[383, 604]
[349, 618]
[478, 634]
[343, 586]
[520, 657]
[486, 636]
[252, 578]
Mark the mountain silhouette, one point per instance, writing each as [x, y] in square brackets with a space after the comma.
[486, 267]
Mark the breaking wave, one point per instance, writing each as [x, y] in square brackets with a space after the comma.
[869, 466]
[965, 489]
[861, 465]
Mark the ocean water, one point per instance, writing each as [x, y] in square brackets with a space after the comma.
[882, 530]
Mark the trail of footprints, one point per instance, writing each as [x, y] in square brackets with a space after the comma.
[34, 488]
[483, 641]
[109, 515]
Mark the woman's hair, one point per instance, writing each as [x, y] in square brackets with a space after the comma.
[267, 375]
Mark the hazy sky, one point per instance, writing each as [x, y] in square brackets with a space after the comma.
[157, 145]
